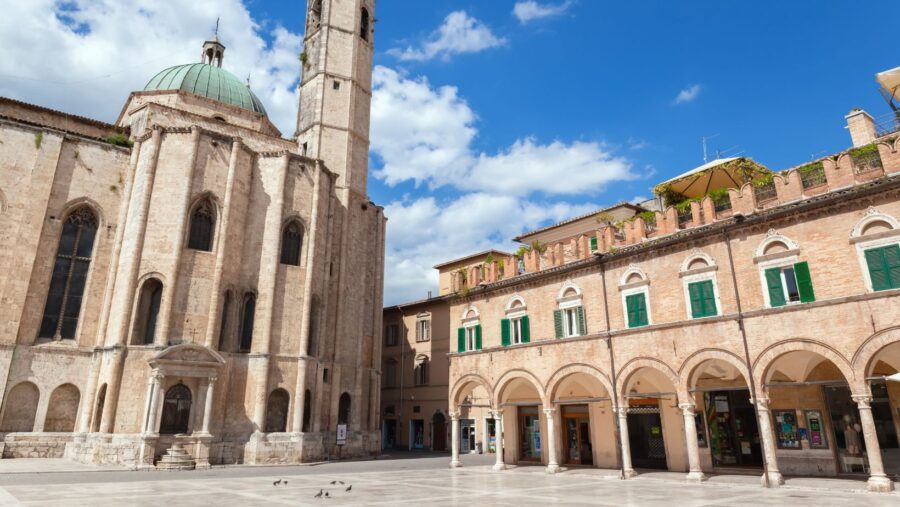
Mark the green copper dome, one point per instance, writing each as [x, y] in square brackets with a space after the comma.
[207, 81]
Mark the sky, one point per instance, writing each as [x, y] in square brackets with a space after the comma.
[492, 118]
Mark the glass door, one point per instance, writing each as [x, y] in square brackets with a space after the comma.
[577, 424]
[529, 434]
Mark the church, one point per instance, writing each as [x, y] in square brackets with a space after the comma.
[188, 286]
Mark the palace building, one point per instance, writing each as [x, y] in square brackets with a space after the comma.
[186, 286]
[746, 320]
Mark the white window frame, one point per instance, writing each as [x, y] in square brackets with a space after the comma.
[515, 330]
[570, 326]
[784, 262]
[423, 329]
[645, 290]
[468, 324]
[470, 336]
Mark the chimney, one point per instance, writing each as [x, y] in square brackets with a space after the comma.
[861, 126]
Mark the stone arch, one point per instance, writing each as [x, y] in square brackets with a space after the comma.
[513, 300]
[566, 371]
[147, 304]
[277, 411]
[773, 237]
[62, 409]
[693, 362]
[863, 361]
[566, 286]
[87, 202]
[872, 216]
[466, 310]
[20, 408]
[200, 235]
[763, 363]
[629, 369]
[465, 381]
[632, 270]
[696, 255]
[517, 374]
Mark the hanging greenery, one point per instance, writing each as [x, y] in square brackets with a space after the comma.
[864, 152]
[811, 168]
[763, 180]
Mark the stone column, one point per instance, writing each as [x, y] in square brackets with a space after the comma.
[87, 401]
[693, 450]
[152, 401]
[498, 429]
[878, 481]
[627, 470]
[768, 442]
[208, 405]
[552, 462]
[454, 437]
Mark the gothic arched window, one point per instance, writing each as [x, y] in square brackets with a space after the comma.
[203, 221]
[73, 258]
[223, 326]
[147, 313]
[277, 411]
[291, 241]
[344, 409]
[247, 322]
[176, 410]
[307, 409]
[364, 24]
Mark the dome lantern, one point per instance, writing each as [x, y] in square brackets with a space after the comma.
[213, 50]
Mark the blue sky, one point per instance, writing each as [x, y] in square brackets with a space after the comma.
[495, 117]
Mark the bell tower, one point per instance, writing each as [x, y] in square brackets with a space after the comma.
[336, 88]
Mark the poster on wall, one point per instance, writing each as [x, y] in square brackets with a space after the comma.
[787, 434]
[537, 441]
[815, 429]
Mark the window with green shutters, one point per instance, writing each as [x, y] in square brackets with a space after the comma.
[636, 305]
[468, 338]
[884, 267]
[461, 339]
[504, 332]
[593, 243]
[703, 299]
[526, 331]
[789, 284]
[569, 322]
[514, 331]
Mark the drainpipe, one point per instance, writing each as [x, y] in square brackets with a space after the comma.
[612, 367]
[402, 375]
[740, 321]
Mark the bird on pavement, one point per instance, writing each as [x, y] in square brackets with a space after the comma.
[341, 483]
[276, 482]
[327, 495]
[285, 483]
[349, 488]
[334, 482]
[319, 494]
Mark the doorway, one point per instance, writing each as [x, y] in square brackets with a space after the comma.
[733, 429]
[645, 435]
[439, 427]
[417, 434]
[577, 424]
[390, 434]
[467, 435]
[529, 434]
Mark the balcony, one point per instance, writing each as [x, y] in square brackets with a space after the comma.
[812, 175]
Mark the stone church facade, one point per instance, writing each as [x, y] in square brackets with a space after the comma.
[186, 286]
[748, 321]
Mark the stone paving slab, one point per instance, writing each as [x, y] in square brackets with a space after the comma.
[45, 465]
[415, 482]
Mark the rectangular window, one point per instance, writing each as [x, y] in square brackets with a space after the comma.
[473, 338]
[703, 299]
[636, 304]
[789, 284]
[593, 243]
[516, 331]
[391, 335]
[884, 267]
[423, 330]
[569, 322]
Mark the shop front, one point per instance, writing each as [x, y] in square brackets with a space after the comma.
[529, 426]
[733, 430]
[645, 434]
[577, 435]
[467, 435]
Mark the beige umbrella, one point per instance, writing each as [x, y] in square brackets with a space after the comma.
[718, 174]
[890, 81]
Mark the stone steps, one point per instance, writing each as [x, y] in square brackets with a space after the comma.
[176, 458]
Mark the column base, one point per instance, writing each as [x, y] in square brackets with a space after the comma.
[455, 463]
[775, 479]
[880, 484]
[552, 469]
[628, 474]
[499, 466]
[696, 476]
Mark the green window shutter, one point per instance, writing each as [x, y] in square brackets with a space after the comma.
[478, 337]
[877, 269]
[558, 323]
[504, 332]
[637, 310]
[694, 291]
[892, 264]
[461, 339]
[582, 325]
[709, 298]
[804, 282]
[776, 291]
[526, 332]
[593, 243]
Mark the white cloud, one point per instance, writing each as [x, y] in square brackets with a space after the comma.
[688, 94]
[424, 134]
[83, 56]
[460, 33]
[530, 10]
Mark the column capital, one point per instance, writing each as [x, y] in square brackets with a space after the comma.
[212, 379]
[497, 414]
[762, 403]
[863, 401]
[549, 411]
[156, 376]
[454, 416]
[622, 410]
[687, 409]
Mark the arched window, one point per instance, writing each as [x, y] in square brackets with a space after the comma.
[307, 409]
[73, 258]
[176, 410]
[421, 371]
[147, 313]
[291, 241]
[364, 24]
[62, 409]
[21, 408]
[247, 322]
[223, 326]
[203, 221]
[277, 411]
[344, 409]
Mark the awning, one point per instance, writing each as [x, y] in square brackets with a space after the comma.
[890, 81]
[720, 173]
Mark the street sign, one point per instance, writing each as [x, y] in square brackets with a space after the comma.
[341, 434]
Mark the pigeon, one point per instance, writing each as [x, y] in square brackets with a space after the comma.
[319, 494]
[334, 482]
[285, 483]
[276, 482]
[349, 488]
[341, 483]
[326, 494]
